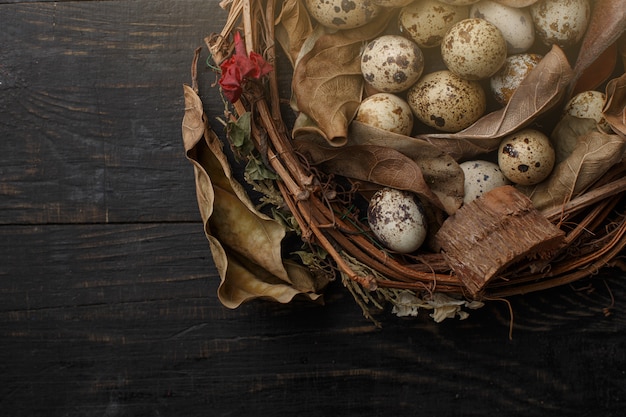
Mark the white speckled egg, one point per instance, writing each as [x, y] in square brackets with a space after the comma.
[386, 111]
[427, 21]
[342, 14]
[526, 157]
[560, 22]
[481, 177]
[447, 102]
[589, 105]
[392, 63]
[473, 49]
[516, 67]
[516, 25]
[397, 220]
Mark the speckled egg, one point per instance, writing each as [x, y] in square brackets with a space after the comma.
[391, 63]
[386, 111]
[427, 21]
[560, 22]
[446, 101]
[506, 81]
[397, 220]
[526, 157]
[589, 105]
[481, 177]
[392, 3]
[473, 49]
[516, 25]
[342, 14]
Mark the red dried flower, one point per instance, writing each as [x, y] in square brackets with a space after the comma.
[239, 67]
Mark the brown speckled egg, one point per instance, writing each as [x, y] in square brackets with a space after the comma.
[474, 49]
[561, 22]
[447, 102]
[386, 111]
[397, 220]
[342, 14]
[589, 105]
[427, 21]
[516, 67]
[392, 63]
[526, 157]
[515, 24]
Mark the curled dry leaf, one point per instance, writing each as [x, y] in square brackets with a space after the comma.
[597, 56]
[373, 163]
[327, 81]
[516, 3]
[593, 155]
[615, 106]
[541, 90]
[293, 27]
[245, 244]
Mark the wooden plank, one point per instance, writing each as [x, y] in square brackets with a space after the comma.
[123, 320]
[91, 106]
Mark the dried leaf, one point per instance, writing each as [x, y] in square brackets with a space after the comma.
[594, 154]
[327, 81]
[564, 137]
[541, 90]
[441, 172]
[615, 107]
[608, 22]
[378, 164]
[245, 244]
[517, 3]
[293, 27]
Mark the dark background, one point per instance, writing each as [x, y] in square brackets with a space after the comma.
[108, 300]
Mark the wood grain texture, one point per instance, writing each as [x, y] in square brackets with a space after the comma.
[108, 300]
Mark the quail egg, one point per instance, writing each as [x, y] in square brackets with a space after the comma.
[427, 21]
[392, 63]
[516, 67]
[447, 102]
[342, 14]
[473, 49]
[481, 177]
[397, 220]
[561, 22]
[526, 157]
[386, 111]
[515, 24]
[588, 104]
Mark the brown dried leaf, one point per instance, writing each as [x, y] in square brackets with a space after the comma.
[245, 244]
[327, 81]
[377, 164]
[615, 107]
[516, 3]
[595, 153]
[293, 27]
[541, 90]
[608, 22]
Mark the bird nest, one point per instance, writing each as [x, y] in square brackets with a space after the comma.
[287, 193]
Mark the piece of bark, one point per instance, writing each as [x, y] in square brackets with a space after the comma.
[492, 232]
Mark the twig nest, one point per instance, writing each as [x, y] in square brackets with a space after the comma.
[526, 157]
[481, 177]
[341, 14]
[474, 49]
[427, 21]
[447, 102]
[561, 22]
[515, 24]
[397, 220]
[386, 111]
[392, 63]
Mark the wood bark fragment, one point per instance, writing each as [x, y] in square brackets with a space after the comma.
[494, 231]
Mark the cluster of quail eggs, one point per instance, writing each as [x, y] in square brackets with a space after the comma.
[480, 52]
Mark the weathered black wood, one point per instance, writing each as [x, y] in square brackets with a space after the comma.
[107, 287]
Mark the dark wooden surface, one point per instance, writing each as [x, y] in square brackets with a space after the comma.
[108, 300]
